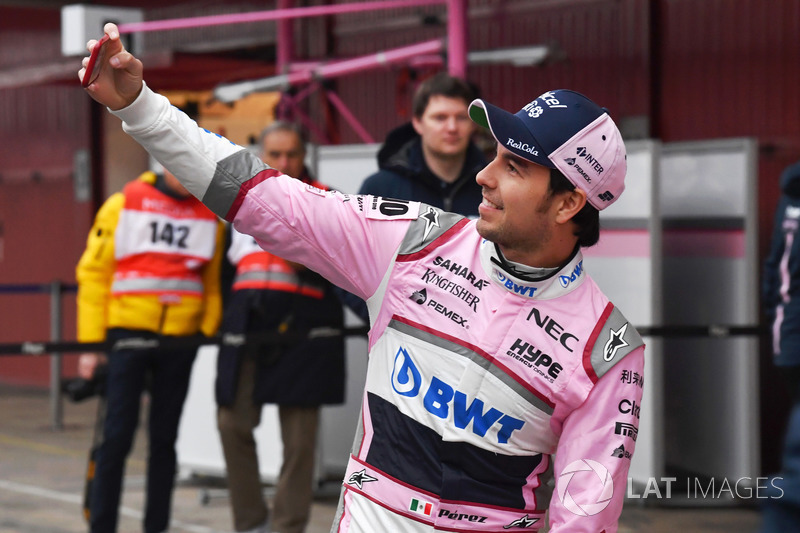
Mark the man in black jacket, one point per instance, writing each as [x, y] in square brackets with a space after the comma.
[271, 294]
[432, 159]
[781, 510]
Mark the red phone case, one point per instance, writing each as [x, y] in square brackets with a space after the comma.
[92, 67]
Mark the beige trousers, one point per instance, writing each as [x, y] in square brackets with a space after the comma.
[294, 491]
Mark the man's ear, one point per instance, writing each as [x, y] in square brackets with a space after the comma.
[571, 203]
[417, 125]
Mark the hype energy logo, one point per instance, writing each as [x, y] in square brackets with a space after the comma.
[593, 484]
[444, 401]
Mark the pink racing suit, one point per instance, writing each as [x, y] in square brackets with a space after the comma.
[491, 397]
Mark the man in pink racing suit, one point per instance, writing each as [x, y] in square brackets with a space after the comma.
[502, 383]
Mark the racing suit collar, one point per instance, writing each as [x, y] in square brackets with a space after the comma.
[550, 284]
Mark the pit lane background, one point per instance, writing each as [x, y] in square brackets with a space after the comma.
[679, 248]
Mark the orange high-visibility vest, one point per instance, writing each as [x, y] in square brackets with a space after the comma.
[161, 245]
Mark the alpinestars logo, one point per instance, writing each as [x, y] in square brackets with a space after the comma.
[359, 478]
[431, 219]
[419, 297]
[523, 522]
[615, 342]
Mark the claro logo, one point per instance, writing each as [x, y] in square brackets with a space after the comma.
[448, 403]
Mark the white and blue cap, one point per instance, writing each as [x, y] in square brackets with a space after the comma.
[564, 130]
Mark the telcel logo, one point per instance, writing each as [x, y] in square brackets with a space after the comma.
[440, 397]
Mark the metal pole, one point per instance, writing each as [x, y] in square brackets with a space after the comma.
[457, 38]
[284, 51]
[56, 407]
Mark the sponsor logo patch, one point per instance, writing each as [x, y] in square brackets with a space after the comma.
[448, 403]
[359, 478]
[626, 430]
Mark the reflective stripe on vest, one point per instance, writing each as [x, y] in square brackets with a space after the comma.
[151, 285]
[257, 269]
[276, 280]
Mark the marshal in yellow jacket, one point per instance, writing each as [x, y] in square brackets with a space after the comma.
[152, 262]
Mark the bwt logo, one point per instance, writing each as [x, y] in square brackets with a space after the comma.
[440, 398]
[596, 487]
[522, 290]
[566, 280]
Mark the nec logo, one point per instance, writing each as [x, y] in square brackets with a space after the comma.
[554, 329]
[440, 399]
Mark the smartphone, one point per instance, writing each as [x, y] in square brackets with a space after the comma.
[95, 64]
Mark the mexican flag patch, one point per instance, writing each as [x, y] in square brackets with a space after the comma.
[421, 507]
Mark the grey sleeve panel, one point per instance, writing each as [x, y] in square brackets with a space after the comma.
[617, 338]
[231, 174]
[431, 224]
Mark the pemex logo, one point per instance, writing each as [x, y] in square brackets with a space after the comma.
[590, 482]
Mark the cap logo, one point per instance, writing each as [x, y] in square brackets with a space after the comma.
[606, 196]
[571, 162]
[533, 109]
[519, 145]
[590, 159]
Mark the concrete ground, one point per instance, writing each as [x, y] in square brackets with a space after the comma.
[42, 474]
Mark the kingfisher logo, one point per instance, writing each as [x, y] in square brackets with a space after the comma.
[448, 403]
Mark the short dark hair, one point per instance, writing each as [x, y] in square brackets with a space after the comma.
[587, 219]
[441, 84]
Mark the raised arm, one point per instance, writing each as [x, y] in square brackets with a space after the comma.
[120, 74]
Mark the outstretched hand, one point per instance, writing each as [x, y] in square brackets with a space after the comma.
[119, 74]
